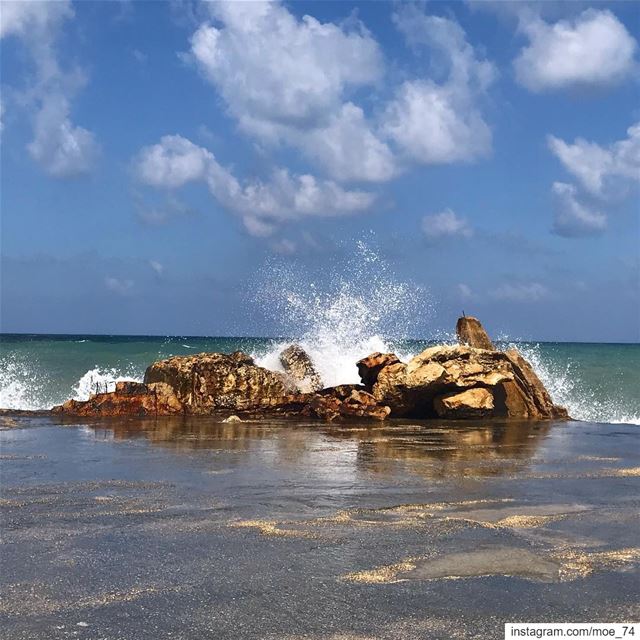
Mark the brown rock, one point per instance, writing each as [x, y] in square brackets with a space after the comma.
[297, 363]
[526, 396]
[471, 333]
[473, 403]
[213, 382]
[129, 399]
[370, 367]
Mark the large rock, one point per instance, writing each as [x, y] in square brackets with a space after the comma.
[409, 389]
[128, 399]
[297, 363]
[471, 333]
[370, 367]
[473, 403]
[213, 382]
[433, 384]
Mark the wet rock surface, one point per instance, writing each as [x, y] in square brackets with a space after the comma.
[297, 363]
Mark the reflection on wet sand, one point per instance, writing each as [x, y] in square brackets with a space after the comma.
[431, 450]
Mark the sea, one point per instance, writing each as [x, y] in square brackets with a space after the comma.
[596, 382]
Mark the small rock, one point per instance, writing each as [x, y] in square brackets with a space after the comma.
[233, 418]
[473, 403]
[297, 363]
[471, 333]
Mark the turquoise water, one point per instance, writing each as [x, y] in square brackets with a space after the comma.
[597, 382]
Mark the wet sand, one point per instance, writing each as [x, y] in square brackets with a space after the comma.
[194, 529]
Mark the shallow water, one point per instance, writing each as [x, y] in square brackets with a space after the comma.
[188, 528]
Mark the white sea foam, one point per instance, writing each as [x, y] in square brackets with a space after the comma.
[566, 388]
[345, 315]
[99, 380]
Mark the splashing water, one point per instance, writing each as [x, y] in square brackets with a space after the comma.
[345, 315]
[595, 398]
[101, 380]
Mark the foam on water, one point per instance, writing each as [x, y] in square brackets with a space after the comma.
[584, 402]
[340, 318]
[101, 380]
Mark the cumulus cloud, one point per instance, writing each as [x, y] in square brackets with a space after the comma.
[157, 267]
[286, 81]
[440, 122]
[348, 148]
[574, 218]
[273, 69]
[60, 147]
[445, 224]
[520, 292]
[594, 49]
[599, 169]
[261, 204]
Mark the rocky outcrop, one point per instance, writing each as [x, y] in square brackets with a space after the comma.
[447, 381]
[473, 403]
[472, 333]
[459, 381]
[297, 363]
[128, 399]
[211, 382]
[370, 367]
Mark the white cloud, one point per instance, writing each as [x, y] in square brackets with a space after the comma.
[348, 148]
[440, 122]
[600, 169]
[157, 267]
[594, 49]
[572, 217]
[445, 224]
[175, 161]
[274, 70]
[60, 147]
[520, 292]
[119, 286]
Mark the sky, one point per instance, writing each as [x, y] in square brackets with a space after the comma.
[159, 158]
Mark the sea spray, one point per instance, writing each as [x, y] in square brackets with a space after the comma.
[342, 313]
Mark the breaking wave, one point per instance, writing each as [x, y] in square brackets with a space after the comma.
[343, 314]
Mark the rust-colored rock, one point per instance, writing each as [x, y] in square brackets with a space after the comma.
[471, 333]
[129, 399]
[472, 403]
[297, 363]
[213, 382]
[370, 367]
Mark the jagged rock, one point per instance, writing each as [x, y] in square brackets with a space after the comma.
[344, 401]
[213, 382]
[370, 367]
[416, 389]
[471, 333]
[297, 363]
[129, 399]
[473, 403]
[409, 389]
[526, 396]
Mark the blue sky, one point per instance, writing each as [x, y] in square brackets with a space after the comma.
[156, 157]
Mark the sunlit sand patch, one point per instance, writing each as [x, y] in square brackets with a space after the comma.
[625, 473]
[271, 528]
[527, 522]
[580, 564]
[381, 575]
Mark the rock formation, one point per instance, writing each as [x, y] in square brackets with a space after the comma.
[209, 382]
[472, 333]
[297, 363]
[447, 381]
[129, 399]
